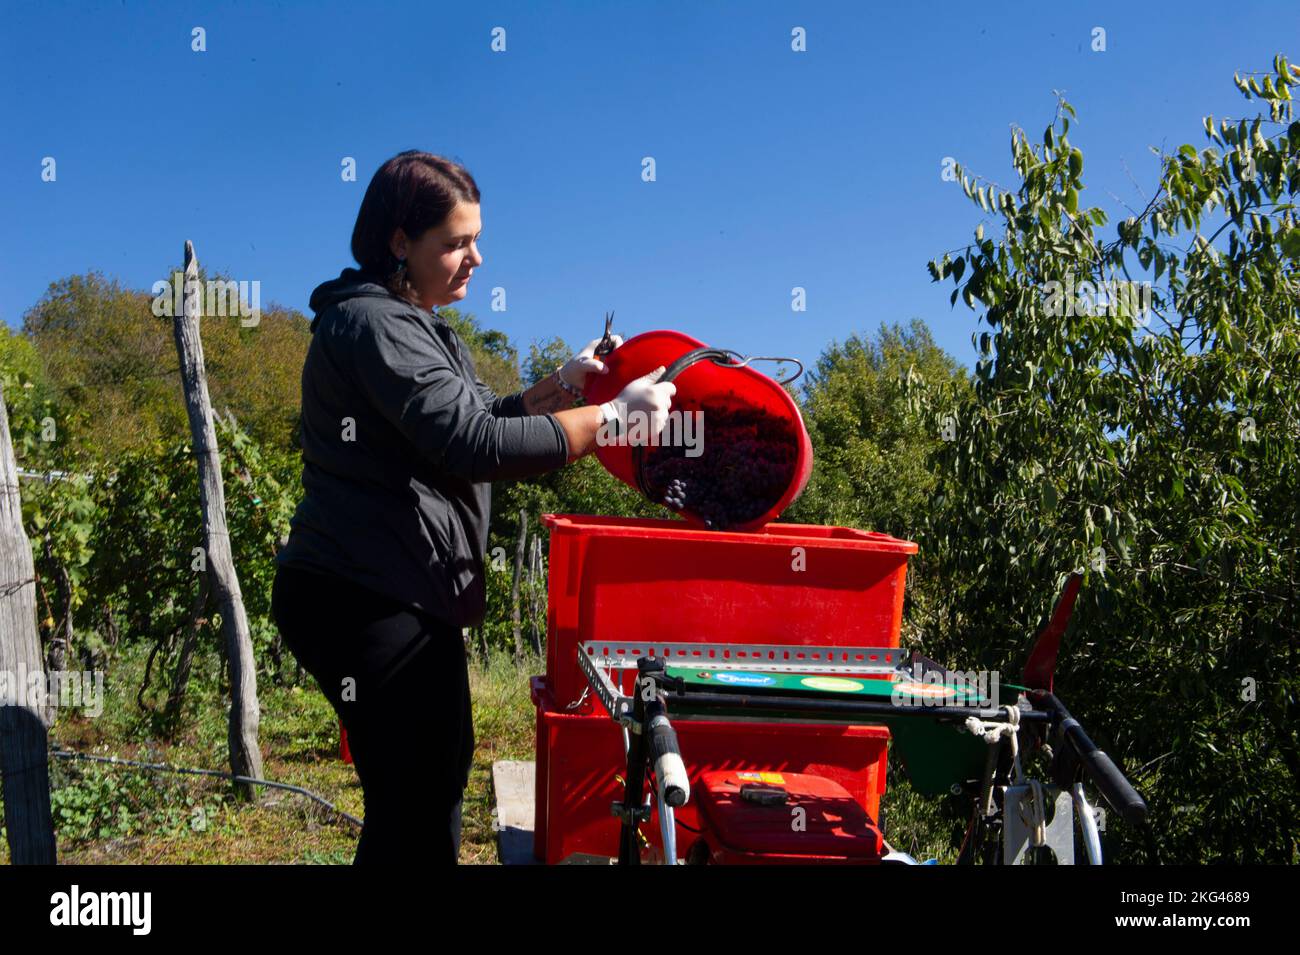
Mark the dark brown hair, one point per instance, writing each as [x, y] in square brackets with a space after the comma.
[414, 191]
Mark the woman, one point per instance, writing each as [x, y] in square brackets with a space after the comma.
[384, 564]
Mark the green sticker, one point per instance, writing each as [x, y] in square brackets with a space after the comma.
[832, 683]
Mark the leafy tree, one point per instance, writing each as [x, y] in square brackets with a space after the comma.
[1156, 449]
[544, 358]
[495, 359]
[870, 446]
[112, 363]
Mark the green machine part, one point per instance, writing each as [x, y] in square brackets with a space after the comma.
[939, 754]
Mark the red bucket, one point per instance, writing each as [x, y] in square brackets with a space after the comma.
[705, 379]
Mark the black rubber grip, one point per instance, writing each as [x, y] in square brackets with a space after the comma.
[1097, 766]
[663, 739]
[1119, 792]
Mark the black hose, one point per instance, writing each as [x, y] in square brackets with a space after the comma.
[163, 767]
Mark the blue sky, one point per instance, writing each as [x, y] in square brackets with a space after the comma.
[775, 169]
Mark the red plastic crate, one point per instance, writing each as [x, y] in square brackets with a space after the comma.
[630, 579]
[578, 757]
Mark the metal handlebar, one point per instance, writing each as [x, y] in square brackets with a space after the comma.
[1098, 767]
[655, 750]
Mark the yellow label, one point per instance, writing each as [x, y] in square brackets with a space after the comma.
[772, 779]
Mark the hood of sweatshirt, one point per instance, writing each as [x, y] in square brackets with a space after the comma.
[351, 283]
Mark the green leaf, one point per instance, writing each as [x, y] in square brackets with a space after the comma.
[1050, 498]
[1291, 243]
[1234, 339]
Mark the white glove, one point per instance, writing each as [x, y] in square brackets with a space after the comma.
[644, 396]
[574, 372]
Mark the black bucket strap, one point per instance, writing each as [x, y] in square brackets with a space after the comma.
[694, 357]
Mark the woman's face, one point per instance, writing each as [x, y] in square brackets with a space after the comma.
[440, 262]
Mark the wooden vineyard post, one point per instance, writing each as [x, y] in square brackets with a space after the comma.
[245, 753]
[536, 591]
[24, 722]
[514, 589]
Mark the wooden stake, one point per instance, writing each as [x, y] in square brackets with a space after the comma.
[24, 723]
[245, 753]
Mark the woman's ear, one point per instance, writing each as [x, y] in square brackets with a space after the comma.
[397, 244]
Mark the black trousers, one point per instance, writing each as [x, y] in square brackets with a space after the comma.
[398, 680]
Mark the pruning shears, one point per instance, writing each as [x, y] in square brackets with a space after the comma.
[606, 344]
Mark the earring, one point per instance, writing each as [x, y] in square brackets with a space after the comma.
[400, 274]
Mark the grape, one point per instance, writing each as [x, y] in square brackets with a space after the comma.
[747, 465]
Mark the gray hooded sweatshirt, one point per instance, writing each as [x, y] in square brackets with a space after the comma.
[400, 441]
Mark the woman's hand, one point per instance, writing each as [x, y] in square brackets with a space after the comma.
[564, 386]
[646, 397]
[574, 372]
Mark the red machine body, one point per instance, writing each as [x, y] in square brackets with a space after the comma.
[580, 762]
[665, 581]
[819, 821]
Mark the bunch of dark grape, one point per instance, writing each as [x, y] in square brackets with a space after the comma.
[746, 466]
[675, 494]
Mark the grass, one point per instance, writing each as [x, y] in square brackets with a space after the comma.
[924, 828]
[107, 814]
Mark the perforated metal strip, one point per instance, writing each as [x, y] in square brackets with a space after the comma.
[759, 657]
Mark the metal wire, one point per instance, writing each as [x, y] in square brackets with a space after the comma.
[743, 360]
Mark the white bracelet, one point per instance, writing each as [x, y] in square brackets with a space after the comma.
[566, 386]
